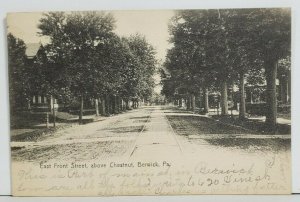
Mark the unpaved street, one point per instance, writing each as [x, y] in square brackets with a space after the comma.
[150, 132]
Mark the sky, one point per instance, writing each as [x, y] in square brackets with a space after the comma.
[153, 24]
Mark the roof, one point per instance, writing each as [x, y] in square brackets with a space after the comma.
[32, 49]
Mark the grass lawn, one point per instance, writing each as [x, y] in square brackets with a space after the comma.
[254, 125]
[27, 126]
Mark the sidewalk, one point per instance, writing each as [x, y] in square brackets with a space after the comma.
[279, 120]
[157, 139]
[259, 118]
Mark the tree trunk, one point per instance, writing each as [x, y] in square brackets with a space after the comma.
[200, 100]
[29, 106]
[127, 104]
[242, 111]
[188, 101]
[54, 116]
[113, 103]
[121, 104]
[97, 107]
[289, 87]
[283, 90]
[286, 89]
[107, 105]
[271, 108]
[47, 120]
[52, 109]
[119, 107]
[180, 102]
[205, 97]
[103, 111]
[116, 101]
[81, 110]
[224, 98]
[193, 102]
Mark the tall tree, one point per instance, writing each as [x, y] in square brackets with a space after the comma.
[270, 31]
[145, 54]
[228, 44]
[19, 90]
[73, 37]
[284, 77]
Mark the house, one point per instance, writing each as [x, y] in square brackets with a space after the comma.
[38, 102]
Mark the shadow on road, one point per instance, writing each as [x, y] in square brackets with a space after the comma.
[196, 125]
[139, 117]
[129, 129]
[275, 144]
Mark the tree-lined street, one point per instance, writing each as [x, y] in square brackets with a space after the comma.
[223, 59]
[220, 77]
[96, 111]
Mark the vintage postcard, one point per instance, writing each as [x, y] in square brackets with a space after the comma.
[150, 102]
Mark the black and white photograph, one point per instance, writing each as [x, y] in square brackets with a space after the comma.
[150, 102]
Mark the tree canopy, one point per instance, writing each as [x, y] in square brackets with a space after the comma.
[85, 59]
[219, 47]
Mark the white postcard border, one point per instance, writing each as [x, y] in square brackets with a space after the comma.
[47, 5]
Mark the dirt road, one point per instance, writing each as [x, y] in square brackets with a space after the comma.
[150, 132]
